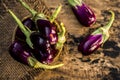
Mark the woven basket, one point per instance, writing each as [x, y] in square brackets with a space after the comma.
[10, 69]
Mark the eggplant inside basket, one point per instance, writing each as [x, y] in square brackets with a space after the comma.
[11, 69]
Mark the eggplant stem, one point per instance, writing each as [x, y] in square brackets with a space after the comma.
[26, 31]
[105, 35]
[107, 27]
[104, 30]
[57, 25]
[63, 29]
[39, 16]
[57, 56]
[36, 64]
[44, 66]
[75, 2]
[61, 37]
[55, 14]
[32, 11]
[19, 23]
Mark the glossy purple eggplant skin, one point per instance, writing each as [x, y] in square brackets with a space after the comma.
[28, 23]
[39, 41]
[42, 48]
[20, 52]
[48, 30]
[84, 14]
[90, 44]
[44, 56]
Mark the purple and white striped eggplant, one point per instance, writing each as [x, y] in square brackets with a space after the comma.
[92, 42]
[83, 13]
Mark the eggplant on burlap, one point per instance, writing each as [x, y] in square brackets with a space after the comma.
[104, 64]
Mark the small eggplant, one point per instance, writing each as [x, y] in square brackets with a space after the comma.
[45, 57]
[28, 23]
[39, 41]
[42, 48]
[19, 52]
[48, 30]
[83, 13]
[92, 42]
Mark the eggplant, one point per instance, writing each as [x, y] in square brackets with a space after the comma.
[43, 51]
[45, 57]
[48, 30]
[92, 42]
[39, 41]
[83, 12]
[19, 52]
[28, 23]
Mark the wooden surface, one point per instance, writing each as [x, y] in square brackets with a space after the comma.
[104, 64]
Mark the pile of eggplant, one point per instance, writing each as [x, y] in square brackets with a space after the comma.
[38, 40]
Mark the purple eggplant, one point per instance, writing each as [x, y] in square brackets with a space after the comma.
[92, 42]
[52, 55]
[39, 41]
[19, 52]
[48, 30]
[83, 13]
[28, 23]
[40, 55]
[45, 56]
[42, 48]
